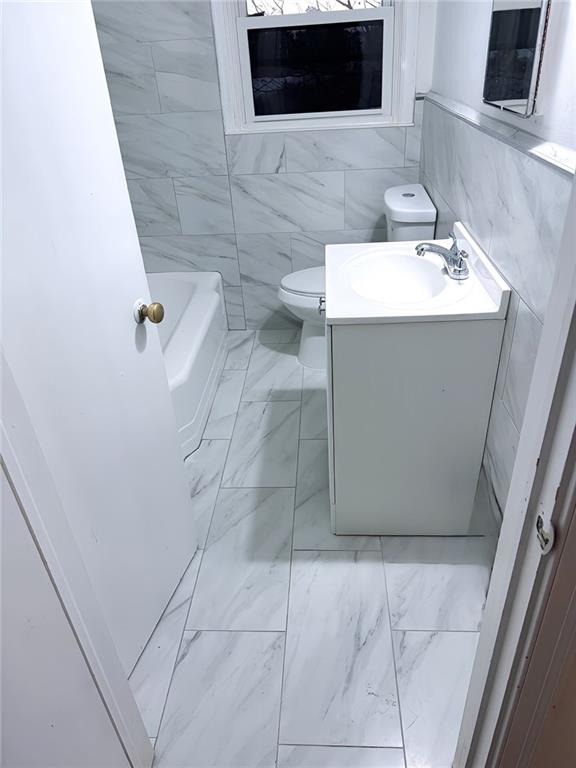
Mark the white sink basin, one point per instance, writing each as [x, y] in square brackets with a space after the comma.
[395, 279]
[391, 283]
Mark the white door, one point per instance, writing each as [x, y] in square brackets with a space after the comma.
[52, 714]
[92, 380]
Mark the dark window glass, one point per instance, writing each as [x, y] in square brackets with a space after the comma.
[511, 52]
[316, 68]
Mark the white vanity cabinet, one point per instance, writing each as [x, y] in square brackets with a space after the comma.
[409, 408]
[409, 399]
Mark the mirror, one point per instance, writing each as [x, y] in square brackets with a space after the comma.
[514, 54]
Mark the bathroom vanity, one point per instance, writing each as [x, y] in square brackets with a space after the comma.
[412, 361]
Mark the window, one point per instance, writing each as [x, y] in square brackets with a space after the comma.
[322, 68]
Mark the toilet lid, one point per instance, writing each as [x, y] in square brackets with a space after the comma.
[309, 282]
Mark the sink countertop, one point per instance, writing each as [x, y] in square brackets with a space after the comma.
[484, 295]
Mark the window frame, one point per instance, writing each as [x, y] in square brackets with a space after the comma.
[231, 25]
[246, 23]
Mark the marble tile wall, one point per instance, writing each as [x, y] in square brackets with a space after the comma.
[515, 206]
[253, 207]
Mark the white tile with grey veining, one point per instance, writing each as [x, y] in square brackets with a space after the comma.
[339, 692]
[433, 670]
[265, 310]
[204, 205]
[471, 191]
[345, 149]
[243, 582]
[284, 336]
[204, 471]
[493, 126]
[288, 202]
[445, 550]
[312, 516]
[130, 78]
[506, 343]
[151, 676]
[195, 253]
[339, 757]
[531, 203]
[486, 517]
[264, 258]
[314, 415]
[187, 74]
[471, 187]
[274, 373]
[444, 594]
[414, 136]
[125, 20]
[154, 206]
[256, 153]
[437, 156]
[222, 709]
[225, 406]
[365, 194]
[461, 162]
[560, 155]
[239, 345]
[523, 351]
[234, 308]
[445, 216]
[175, 144]
[309, 248]
[500, 451]
[264, 447]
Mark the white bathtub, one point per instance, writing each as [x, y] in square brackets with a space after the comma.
[193, 338]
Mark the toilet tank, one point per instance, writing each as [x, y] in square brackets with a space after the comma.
[401, 231]
[410, 213]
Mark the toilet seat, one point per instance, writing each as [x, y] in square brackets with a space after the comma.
[306, 282]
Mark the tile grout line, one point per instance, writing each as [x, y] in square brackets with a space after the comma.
[240, 330]
[440, 631]
[391, 635]
[266, 402]
[225, 462]
[225, 370]
[237, 631]
[199, 567]
[162, 615]
[289, 575]
[233, 217]
[160, 722]
[339, 746]
[256, 487]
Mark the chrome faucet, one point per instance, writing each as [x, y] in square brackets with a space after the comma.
[454, 259]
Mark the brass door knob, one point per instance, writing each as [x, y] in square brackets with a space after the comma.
[153, 312]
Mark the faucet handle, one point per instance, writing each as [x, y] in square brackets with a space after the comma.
[454, 247]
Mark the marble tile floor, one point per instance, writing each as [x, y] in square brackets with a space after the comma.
[285, 646]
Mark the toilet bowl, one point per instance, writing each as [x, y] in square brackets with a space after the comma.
[410, 215]
[303, 294]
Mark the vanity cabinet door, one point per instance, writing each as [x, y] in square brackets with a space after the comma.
[410, 404]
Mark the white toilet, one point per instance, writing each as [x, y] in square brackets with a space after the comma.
[303, 293]
[410, 215]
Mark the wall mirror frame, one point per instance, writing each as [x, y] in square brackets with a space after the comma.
[514, 56]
